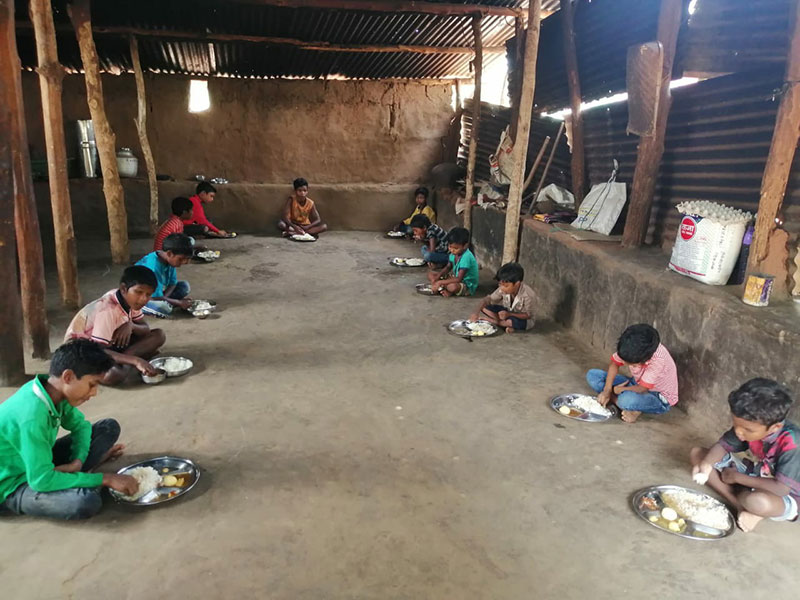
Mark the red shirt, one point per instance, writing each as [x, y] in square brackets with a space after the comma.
[199, 215]
[171, 225]
[658, 374]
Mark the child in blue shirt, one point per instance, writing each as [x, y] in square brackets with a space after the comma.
[459, 277]
[178, 249]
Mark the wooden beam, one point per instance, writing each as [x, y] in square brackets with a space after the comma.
[26, 219]
[144, 141]
[651, 148]
[476, 121]
[768, 251]
[51, 74]
[520, 151]
[79, 14]
[448, 9]
[170, 34]
[578, 162]
[519, 33]
[12, 355]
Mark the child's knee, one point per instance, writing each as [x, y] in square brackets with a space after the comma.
[84, 505]
[760, 503]
[593, 376]
[158, 336]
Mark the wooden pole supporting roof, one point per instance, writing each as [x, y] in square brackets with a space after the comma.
[12, 358]
[651, 148]
[144, 141]
[519, 153]
[79, 14]
[51, 74]
[768, 251]
[449, 9]
[26, 220]
[578, 163]
[476, 122]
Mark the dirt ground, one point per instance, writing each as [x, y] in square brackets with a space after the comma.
[351, 448]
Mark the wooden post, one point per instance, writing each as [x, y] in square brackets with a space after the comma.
[141, 127]
[651, 148]
[12, 355]
[26, 220]
[80, 16]
[520, 152]
[476, 121]
[51, 74]
[519, 32]
[768, 250]
[574, 81]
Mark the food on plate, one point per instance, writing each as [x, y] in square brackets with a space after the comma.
[148, 480]
[700, 478]
[698, 508]
[480, 327]
[669, 514]
[174, 364]
[564, 410]
[648, 503]
[589, 404]
[305, 237]
[169, 481]
[414, 262]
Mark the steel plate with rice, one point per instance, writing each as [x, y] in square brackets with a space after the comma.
[582, 408]
[472, 329]
[208, 255]
[406, 262]
[306, 237]
[202, 308]
[395, 234]
[684, 512]
[175, 366]
[176, 477]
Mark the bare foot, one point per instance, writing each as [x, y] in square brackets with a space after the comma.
[114, 453]
[747, 521]
[509, 330]
[445, 293]
[630, 416]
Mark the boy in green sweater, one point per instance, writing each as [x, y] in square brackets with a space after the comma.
[45, 477]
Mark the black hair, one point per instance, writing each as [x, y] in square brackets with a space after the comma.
[761, 400]
[638, 343]
[511, 272]
[178, 243]
[420, 221]
[421, 191]
[299, 182]
[82, 357]
[138, 275]
[206, 187]
[458, 235]
[180, 205]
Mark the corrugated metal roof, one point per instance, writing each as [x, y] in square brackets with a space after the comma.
[718, 138]
[243, 59]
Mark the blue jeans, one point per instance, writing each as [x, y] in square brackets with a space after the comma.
[437, 258]
[164, 308]
[73, 503]
[516, 322]
[648, 402]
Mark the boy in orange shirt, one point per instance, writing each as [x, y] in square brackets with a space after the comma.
[300, 215]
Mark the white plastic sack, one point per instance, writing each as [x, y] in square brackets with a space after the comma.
[563, 198]
[500, 163]
[601, 207]
[708, 242]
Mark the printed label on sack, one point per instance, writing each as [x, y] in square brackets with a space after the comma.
[688, 228]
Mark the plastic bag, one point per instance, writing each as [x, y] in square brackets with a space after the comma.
[563, 198]
[500, 163]
[602, 206]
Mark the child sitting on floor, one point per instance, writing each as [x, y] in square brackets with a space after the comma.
[177, 250]
[300, 214]
[421, 198]
[459, 277]
[116, 323]
[755, 465]
[653, 385]
[181, 211]
[44, 477]
[511, 304]
[433, 238]
[197, 224]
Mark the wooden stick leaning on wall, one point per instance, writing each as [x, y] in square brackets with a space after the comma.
[79, 14]
[547, 166]
[476, 122]
[577, 163]
[26, 220]
[144, 141]
[651, 148]
[539, 155]
[12, 356]
[768, 250]
[51, 74]
[520, 150]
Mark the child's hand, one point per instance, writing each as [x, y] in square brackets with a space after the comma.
[185, 303]
[701, 471]
[502, 315]
[618, 389]
[145, 367]
[729, 475]
[122, 336]
[122, 483]
[604, 397]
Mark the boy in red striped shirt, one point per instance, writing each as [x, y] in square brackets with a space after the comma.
[653, 385]
[181, 210]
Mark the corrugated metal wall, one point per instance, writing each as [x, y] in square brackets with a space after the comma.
[494, 119]
[718, 138]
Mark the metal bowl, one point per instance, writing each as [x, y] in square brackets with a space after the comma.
[160, 362]
[183, 468]
[425, 289]
[398, 261]
[208, 255]
[202, 308]
[152, 380]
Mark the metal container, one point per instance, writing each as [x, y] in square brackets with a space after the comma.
[87, 148]
[127, 163]
[183, 469]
